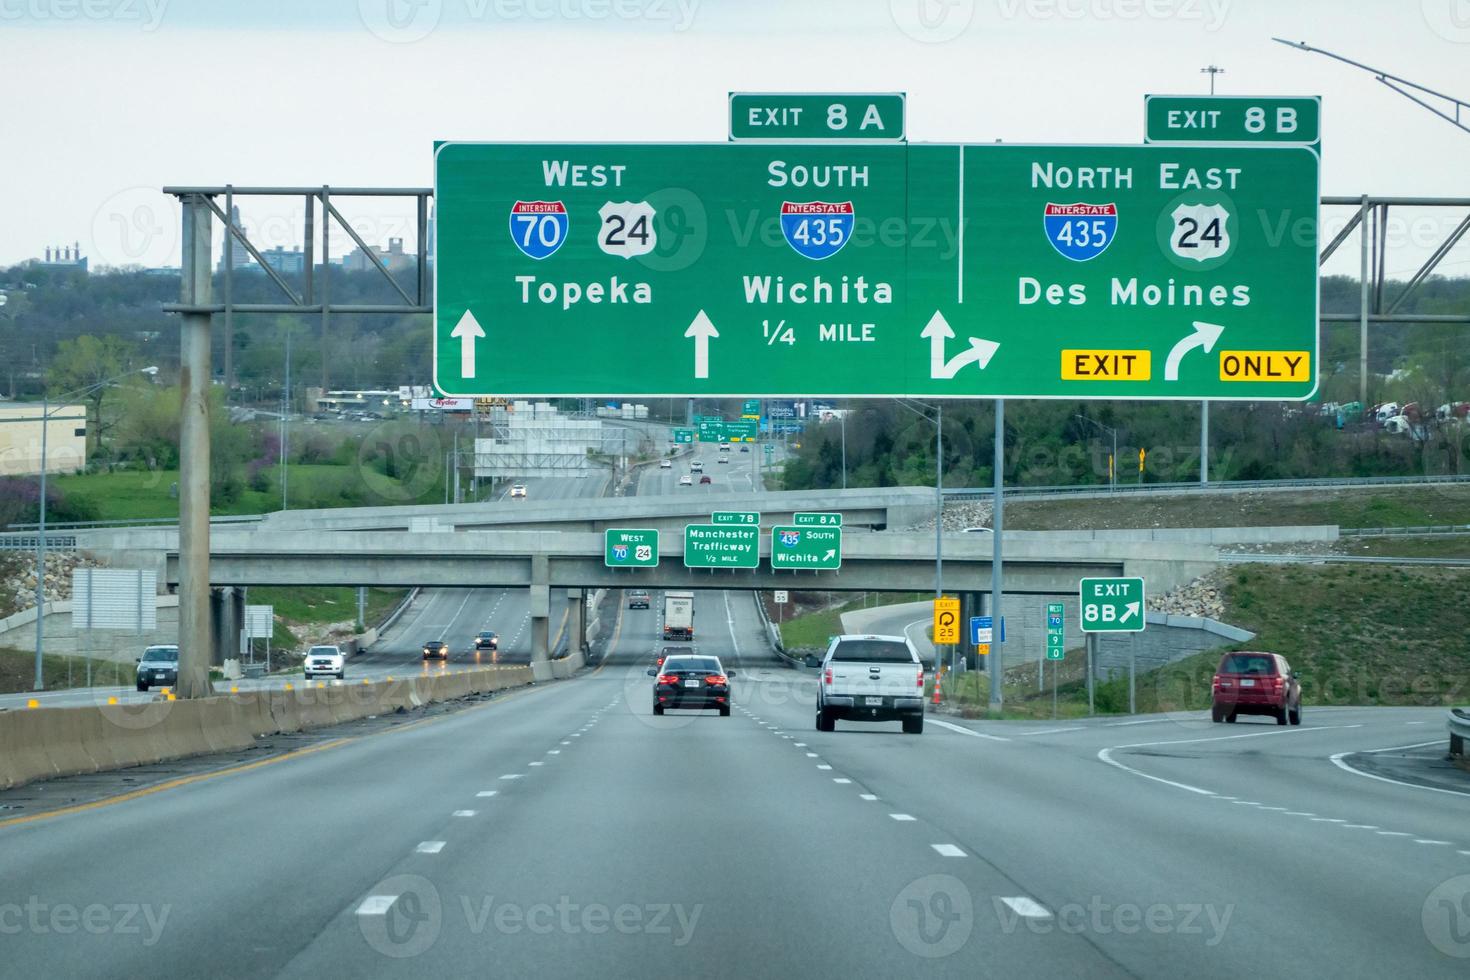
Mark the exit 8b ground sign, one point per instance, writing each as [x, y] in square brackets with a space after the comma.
[1112, 605]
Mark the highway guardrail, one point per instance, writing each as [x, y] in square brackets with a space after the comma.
[1459, 728]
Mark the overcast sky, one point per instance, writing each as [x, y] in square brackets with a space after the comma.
[107, 100]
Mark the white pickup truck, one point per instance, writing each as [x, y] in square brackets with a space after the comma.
[870, 678]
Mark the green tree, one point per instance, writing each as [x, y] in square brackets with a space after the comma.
[86, 362]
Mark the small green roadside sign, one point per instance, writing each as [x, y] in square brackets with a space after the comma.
[712, 430]
[1056, 632]
[630, 547]
[721, 546]
[813, 548]
[767, 116]
[1112, 605]
[816, 519]
[749, 517]
[744, 430]
[751, 409]
[1233, 119]
[682, 436]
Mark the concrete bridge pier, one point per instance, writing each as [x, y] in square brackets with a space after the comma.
[227, 619]
[540, 611]
[576, 623]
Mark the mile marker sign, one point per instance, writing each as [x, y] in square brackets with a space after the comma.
[1112, 605]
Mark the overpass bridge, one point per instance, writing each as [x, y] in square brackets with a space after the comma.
[1041, 563]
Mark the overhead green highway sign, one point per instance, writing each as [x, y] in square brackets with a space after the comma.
[815, 548]
[850, 270]
[711, 430]
[1112, 605]
[630, 547]
[721, 546]
[1233, 119]
[817, 519]
[744, 430]
[793, 117]
[683, 435]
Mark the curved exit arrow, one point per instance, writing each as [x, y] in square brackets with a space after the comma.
[937, 332]
[1205, 335]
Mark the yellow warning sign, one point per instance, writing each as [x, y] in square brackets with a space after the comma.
[1106, 365]
[946, 620]
[983, 649]
[1265, 365]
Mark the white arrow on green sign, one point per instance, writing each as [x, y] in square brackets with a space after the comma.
[1112, 605]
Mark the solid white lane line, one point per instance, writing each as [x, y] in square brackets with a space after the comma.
[430, 847]
[961, 729]
[1337, 761]
[487, 792]
[464, 813]
[1056, 731]
[948, 850]
[1027, 908]
[901, 817]
[376, 904]
[1106, 756]
[866, 796]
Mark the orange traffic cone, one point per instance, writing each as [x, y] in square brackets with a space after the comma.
[938, 675]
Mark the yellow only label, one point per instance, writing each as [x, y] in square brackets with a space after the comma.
[1106, 365]
[1265, 365]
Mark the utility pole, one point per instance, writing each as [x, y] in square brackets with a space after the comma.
[1204, 406]
[997, 588]
[1212, 71]
[196, 643]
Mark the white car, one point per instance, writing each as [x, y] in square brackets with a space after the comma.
[686, 480]
[696, 466]
[666, 464]
[325, 660]
[723, 459]
[517, 490]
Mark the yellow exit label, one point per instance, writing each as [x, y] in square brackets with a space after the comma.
[1106, 365]
[1265, 365]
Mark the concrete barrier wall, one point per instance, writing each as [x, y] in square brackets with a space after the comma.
[19, 631]
[44, 743]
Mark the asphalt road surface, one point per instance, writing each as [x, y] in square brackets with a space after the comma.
[563, 830]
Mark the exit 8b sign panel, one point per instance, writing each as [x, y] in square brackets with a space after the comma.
[1173, 271]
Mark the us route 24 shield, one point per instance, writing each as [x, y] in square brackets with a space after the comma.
[817, 229]
[1081, 231]
[538, 227]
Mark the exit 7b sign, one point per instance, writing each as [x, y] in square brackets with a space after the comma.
[1112, 605]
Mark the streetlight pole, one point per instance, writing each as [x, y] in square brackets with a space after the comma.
[844, 448]
[1113, 459]
[40, 680]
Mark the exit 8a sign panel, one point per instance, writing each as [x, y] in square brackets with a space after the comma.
[732, 269]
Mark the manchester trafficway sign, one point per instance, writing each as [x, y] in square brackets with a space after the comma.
[1112, 605]
[751, 270]
[816, 548]
[722, 546]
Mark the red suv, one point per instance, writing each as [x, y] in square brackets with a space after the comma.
[1249, 683]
